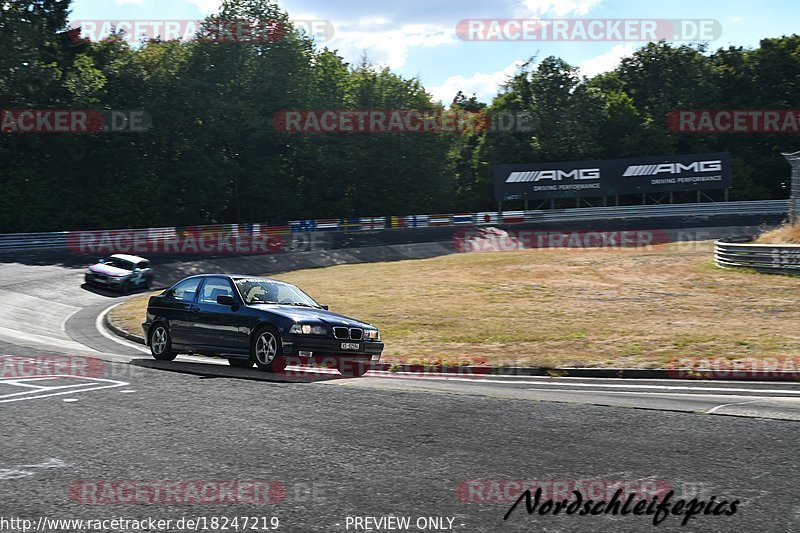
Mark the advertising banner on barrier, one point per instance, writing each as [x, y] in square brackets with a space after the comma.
[570, 179]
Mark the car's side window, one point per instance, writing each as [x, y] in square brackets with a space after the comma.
[185, 290]
[215, 287]
[143, 265]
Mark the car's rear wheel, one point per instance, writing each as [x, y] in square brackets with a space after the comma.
[161, 344]
[266, 350]
[236, 362]
[125, 288]
[353, 369]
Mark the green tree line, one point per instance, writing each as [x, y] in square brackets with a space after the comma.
[213, 154]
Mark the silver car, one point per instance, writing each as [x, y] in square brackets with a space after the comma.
[121, 272]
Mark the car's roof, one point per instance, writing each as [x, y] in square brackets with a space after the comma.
[131, 258]
[259, 278]
[234, 277]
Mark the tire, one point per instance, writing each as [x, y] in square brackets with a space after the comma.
[353, 369]
[161, 343]
[148, 282]
[125, 288]
[235, 362]
[266, 350]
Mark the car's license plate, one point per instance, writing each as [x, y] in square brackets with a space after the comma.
[351, 346]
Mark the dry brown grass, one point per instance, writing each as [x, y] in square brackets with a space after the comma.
[786, 234]
[130, 315]
[562, 308]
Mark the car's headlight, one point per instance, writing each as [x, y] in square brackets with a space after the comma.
[372, 334]
[308, 329]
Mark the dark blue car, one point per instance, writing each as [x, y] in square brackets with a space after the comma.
[256, 321]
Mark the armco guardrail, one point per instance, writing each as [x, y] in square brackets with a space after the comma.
[759, 207]
[741, 252]
[61, 240]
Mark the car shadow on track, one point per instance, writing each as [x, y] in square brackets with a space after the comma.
[291, 375]
[101, 291]
[108, 293]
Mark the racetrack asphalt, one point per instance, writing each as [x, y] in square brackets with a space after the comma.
[376, 446]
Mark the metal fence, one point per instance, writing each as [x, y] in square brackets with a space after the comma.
[61, 240]
[741, 252]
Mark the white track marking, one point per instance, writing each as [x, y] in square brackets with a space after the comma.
[34, 340]
[13, 473]
[51, 463]
[662, 394]
[16, 473]
[66, 318]
[563, 380]
[120, 384]
[29, 320]
[38, 389]
[16, 383]
[89, 384]
[666, 388]
[714, 409]
[101, 328]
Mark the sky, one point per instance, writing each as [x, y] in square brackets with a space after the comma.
[419, 38]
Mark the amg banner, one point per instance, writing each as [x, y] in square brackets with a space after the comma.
[536, 181]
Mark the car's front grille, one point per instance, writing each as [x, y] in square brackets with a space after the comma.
[355, 334]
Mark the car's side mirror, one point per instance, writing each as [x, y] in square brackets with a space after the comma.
[325, 307]
[136, 269]
[101, 261]
[224, 299]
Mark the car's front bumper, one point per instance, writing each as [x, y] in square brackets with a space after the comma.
[104, 281]
[146, 330]
[316, 348]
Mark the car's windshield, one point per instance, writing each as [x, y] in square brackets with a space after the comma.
[271, 291]
[118, 263]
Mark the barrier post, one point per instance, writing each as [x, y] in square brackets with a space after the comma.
[794, 199]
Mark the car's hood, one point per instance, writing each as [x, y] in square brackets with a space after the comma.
[300, 314]
[108, 270]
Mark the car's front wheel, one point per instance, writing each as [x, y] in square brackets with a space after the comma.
[161, 344]
[266, 351]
